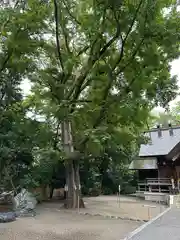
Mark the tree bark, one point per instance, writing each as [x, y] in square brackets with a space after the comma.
[73, 187]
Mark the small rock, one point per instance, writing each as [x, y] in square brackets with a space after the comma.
[7, 217]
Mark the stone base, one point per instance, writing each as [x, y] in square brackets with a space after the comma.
[170, 200]
[154, 196]
[139, 194]
[174, 201]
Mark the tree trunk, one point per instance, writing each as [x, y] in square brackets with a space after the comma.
[51, 191]
[73, 187]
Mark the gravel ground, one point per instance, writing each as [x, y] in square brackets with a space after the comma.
[54, 223]
[129, 207]
[50, 224]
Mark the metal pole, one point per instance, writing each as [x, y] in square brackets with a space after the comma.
[119, 188]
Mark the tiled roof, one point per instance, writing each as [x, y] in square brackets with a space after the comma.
[160, 145]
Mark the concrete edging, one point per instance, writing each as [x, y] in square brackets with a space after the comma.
[139, 229]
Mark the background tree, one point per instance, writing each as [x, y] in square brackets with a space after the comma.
[164, 118]
[18, 133]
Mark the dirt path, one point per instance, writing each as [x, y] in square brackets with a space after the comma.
[50, 224]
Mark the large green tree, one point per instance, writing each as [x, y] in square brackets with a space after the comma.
[99, 66]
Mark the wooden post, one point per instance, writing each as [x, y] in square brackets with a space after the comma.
[149, 213]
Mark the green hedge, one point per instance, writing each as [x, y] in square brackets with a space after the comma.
[128, 189]
[107, 191]
[94, 192]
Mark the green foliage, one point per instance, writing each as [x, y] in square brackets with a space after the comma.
[94, 192]
[105, 82]
[42, 169]
[164, 119]
[100, 65]
[107, 191]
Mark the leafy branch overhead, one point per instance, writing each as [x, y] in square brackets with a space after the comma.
[108, 54]
[95, 55]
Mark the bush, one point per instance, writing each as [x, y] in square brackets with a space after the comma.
[107, 191]
[129, 189]
[94, 192]
[85, 191]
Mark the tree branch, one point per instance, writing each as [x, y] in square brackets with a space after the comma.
[66, 40]
[70, 14]
[111, 41]
[78, 83]
[83, 50]
[56, 136]
[56, 17]
[131, 58]
[76, 88]
[6, 60]
[10, 53]
[123, 41]
[85, 84]
[64, 30]
[139, 45]
[134, 19]
[2, 96]
[91, 61]
[103, 106]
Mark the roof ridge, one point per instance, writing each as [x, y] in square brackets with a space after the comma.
[161, 144]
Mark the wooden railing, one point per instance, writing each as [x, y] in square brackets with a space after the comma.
[155, 184]
[159, 181]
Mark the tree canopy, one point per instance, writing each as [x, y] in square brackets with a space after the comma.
[97, 68]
